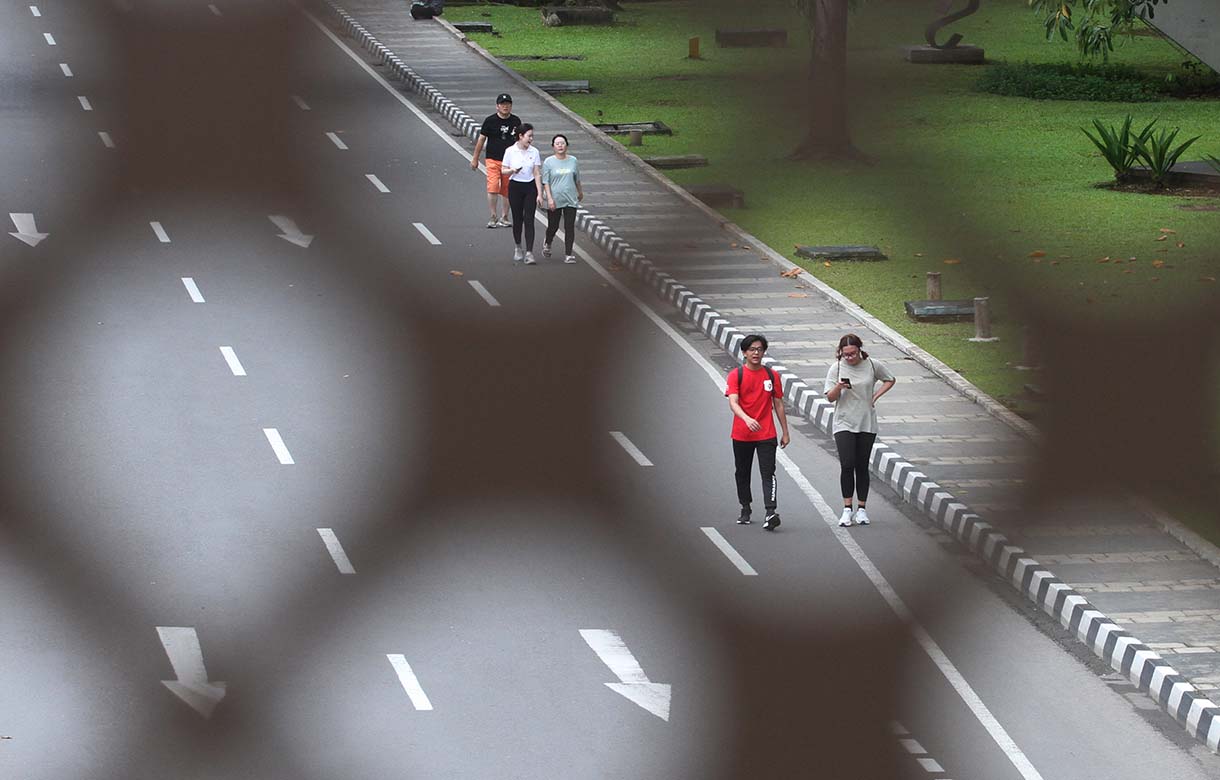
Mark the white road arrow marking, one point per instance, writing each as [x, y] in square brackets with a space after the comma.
[26, 229]
[633, 683]
[192, 685]
[290, 232]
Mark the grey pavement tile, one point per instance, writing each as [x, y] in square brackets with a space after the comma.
[1141, 607]
[1103, 572]
[1083, 545]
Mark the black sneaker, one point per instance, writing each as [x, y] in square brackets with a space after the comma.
[745, 518]
[771, 522]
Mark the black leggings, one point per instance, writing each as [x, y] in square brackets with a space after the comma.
[743, 456]
[569, 226]
[523, 200]
[854, 452]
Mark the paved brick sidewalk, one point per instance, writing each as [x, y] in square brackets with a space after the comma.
[1121, 559]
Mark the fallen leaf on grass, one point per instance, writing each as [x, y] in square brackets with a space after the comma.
[1105, 259]
[1162, 238]
[1167, 230]
[1037, 253]
[791, 272]
[1207, 278]
[733, 244]
[1054, 262]
[952, 261]
[456, 273]
[826, 263]
[798, 295]
[1128, 270]
[1158, 263]
[1181, 244]
[919, 254]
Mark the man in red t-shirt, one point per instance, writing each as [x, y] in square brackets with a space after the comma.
[755, 392]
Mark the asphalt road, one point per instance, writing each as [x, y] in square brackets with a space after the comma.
[395, 517]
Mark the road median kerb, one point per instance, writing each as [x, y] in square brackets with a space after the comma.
[1120, 650]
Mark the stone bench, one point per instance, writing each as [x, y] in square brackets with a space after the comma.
[557, 15]
[677, 161]
[867, 253]
[751, 37]
[562, 87]
[941, 311]
[718, 195]
[1184, 174]
[648, 128]
[474, 27]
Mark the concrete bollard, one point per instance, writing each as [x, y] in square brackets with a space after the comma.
[933, 285]
[693, 45]
[1031, 357]
[635, 137]
[982, 321]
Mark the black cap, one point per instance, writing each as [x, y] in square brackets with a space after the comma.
[504, 97]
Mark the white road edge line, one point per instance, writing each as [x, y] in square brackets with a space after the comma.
[300, 102]
[632, 450]
[107, 141]
[67, 71]
[1011, 750]
[277, 444]
[426, 233]
[50, 39]
[377, 183]
[192, 289]
[336, 551]
[234, 364]
[723, 545]
[484, 294]
[337, 141]
[162, 236]
[410, 682]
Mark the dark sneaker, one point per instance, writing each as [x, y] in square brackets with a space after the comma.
[771, 522]
[745, 518]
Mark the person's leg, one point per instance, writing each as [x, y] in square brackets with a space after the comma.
[864, 452]
[743, 459]
[529, 207]
[552, 227]
[494, 185]
[845, 443]
[516, 202]
[569, 229]
[770, 486]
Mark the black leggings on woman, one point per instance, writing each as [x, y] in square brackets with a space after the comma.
[523, 200]
[569, 226]
[854, 451]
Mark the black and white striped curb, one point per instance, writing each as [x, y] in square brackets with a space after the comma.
[1123, 652]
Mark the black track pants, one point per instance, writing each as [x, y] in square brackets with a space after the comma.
[743, 455]
[523, 201]
[854, 451]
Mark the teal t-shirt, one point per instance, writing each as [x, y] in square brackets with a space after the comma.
[562, 176]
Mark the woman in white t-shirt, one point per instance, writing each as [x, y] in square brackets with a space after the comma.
[851, 385]
[523, 165]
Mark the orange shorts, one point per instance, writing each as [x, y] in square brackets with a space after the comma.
[497, 182]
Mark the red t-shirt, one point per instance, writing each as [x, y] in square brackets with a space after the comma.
[754, 396]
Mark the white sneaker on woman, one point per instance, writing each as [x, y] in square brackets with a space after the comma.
[518, 255]
[569, 259]
[861, 516]
[529, 258]
[845, 520]
[546, 250]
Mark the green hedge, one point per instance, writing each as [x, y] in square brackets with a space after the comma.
[1102, 83]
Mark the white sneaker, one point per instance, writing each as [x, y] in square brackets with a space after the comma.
[518, 255]
[569, 259]
[493, 223]
[845, 520]
[861, 517]
[505, 222]
[546, 250]
[529, 258]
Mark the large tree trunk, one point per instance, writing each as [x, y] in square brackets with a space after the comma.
[828, 136]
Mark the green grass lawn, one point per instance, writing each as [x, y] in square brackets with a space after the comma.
[959, 174]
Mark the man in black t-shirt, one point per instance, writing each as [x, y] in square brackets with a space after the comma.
[498, 132]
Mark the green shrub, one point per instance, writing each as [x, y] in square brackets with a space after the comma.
[1102, 83]
[1159, 153]
[1118, 145]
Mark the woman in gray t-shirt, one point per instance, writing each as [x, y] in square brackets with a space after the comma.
[563, 194]
[851, 385]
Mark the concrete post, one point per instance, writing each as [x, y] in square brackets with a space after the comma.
[933, 285]
[982, 320]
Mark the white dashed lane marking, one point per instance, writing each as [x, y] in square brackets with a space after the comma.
[631, 449]
[377, 183]
[410, 682]
[336, 551]
[234, 364]
[67, 71]
[192, 289]
[162, 236]
[484, 294]
[277, 444]
[301, 104]
[84, 103]
[426, 233]
[723, 545]
[338, 142]
[107, 141]
[49, 38]
[34, 10]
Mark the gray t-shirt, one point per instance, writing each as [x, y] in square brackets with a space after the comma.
[562, 176]
[854, 410]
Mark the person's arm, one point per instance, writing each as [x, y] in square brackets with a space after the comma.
[750, 422]
[885, 388]
[887, 380]
[538, 178]
[580, 193]
[834, 385]
[478, 149]
[778, 405]
[546, 188]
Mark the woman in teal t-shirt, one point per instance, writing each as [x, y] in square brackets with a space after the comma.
[562, 192]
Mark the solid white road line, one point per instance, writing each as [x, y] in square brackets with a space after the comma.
[49, 38]
[723, 545]
[234, 364]
[337, 141]
[277, 444]
[409, 682]
[162, 236]
[482, 291]
[336, 551]
[300, 102]
[426, 233]
[632, 450]
[377, 182]
[963, 689]
[192, 289]
[64, 67]
[107, 141]
[34, 10]
[84, 102]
